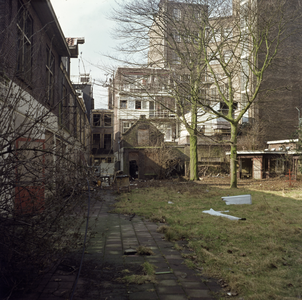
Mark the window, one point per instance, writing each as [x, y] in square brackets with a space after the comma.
[144, 104]
[213, 58]
[176, 36]
[215, 36]
[227, 33]
[228, 56]
[25, 32]
[151, 105]
[50, 70]
[244, 13]
[107, 141]
[107, 120]
[197, 14]
[176, 13]
[195, 37]
[96, 120]
[175, 58]
[123, 104]
[223, 108]
[96, 139]
[168, 133]
[244, 74]
[138, 104]
[126, 126]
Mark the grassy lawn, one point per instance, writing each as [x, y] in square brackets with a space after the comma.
[259, 258]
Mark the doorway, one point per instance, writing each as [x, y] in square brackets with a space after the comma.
[133, 169]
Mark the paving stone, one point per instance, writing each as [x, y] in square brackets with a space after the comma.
[173, 297]
[143, 296]
[169, 290]
[167, 282]
[198, 293]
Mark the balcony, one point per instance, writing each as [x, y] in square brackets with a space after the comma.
[161, 114]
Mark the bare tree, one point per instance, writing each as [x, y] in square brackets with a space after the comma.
[43, 146]
[221, 57]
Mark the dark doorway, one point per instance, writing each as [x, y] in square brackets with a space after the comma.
[247, 168]
[133, 169]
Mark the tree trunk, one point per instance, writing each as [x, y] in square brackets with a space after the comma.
[233, 158]
[193, 144]
[193, 157]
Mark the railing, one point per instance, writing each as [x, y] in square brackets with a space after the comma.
[161, 114]
[144, 88]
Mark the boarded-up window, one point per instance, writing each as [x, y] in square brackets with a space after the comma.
[143, 137]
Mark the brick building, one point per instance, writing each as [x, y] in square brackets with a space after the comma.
[39, 106]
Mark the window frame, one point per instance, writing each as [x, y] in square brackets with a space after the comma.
[95, 123]
[122, 103]
[24, 44]
[138, 104]
[106, 116]
[50, 74]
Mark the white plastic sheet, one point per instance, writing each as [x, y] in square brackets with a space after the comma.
[237, 200]
[220, 214]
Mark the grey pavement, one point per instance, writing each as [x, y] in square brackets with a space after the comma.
[105, 262]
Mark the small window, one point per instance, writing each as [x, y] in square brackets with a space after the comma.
[123, 104]
[195, 37]
[107, 120]
[175, 58]
[138, 104]
[96, 120]
[176, 36]
[197, 14]
[223, 108]
[176, 13]
[213, 58]
[151, 105]
[126, 126]
[228, 56]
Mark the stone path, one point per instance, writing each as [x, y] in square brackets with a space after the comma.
[104, 260]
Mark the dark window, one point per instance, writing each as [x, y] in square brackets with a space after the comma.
[50, 70]
[107, 141]
[107, 120]
[96, 120]
[25, 32]
[224, 109]
[138, 104]
[96, 141]
[123, 104]
[151, 105]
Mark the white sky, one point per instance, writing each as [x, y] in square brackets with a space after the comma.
[88, 18]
